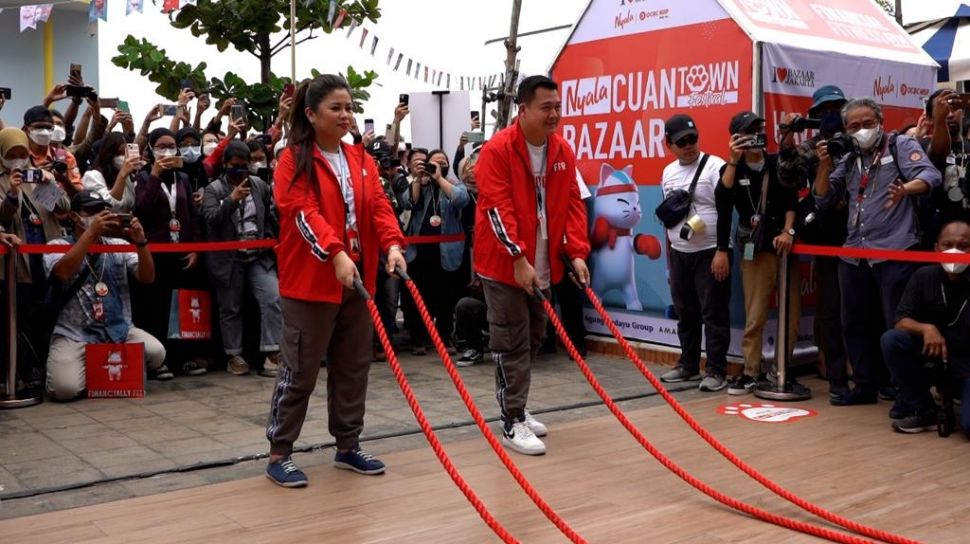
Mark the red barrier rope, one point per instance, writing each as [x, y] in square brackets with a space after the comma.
[480, 420]
[674, 467]
[439, 450]
[724, 450]
[880, 254]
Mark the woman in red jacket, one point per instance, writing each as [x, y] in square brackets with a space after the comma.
[334, 223]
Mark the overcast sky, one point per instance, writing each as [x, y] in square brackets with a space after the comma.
[447, 34]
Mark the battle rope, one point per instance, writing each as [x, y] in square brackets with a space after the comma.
[480, 420]
[724, 450]
[439, 450]
[674, 467]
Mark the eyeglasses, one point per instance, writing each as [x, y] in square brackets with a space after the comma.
[867, 124]
[690, 139]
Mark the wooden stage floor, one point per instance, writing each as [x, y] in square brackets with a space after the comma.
[595, 475]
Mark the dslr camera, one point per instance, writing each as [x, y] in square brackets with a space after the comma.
[801, 124]
[755, 141]
[838, 145]
[383, 153]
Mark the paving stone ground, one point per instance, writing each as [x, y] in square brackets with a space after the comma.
[213, 421]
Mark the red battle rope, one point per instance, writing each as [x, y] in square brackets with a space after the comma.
[724, 450]
[429, 433]
[480, 420]
[674, 467]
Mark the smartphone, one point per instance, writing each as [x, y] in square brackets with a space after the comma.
[109, 103]
[79, 91]
[368, 125]
[186, 84]
[404, 99]
[473, 137]
[289, 90]
[177, 162]
[76, 71]
[474, 115]
[124, 219]
[238, 112]
[430, 168]
[33, 176]
[6, 93]
[170, 110]
[960, 101]
[123, 107]
[132, 151]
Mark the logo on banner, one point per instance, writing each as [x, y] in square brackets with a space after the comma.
[773, 12]
[766, 413]
[793, 77]
[883, 89]
[907, 90]
[695, 86]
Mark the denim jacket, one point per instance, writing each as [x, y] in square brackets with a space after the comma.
[451, 252]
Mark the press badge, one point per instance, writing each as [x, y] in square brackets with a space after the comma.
[749, 251]
[744, 182]
[886, 160]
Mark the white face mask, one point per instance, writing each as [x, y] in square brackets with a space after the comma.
[191, 154]
[58, 135]
[757, 166]
[255, 166]
[867, 137]
[41, 136]
[119, 162]
[955, 268]
[15, 164]
[209, 148]
[160, 153]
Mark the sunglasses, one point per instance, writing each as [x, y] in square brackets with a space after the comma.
[690, 139]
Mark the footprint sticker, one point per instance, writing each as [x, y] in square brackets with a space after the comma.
[766, 413]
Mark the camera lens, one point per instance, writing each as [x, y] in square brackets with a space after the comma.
[686, 233]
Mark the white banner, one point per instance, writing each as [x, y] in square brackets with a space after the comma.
[611, 19]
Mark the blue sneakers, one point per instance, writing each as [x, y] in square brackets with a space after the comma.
[358, 461]
[285, 473]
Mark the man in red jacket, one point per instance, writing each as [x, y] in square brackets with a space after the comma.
[529, 214]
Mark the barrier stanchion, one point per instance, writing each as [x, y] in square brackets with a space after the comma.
[9, 398]
[429, 433]
[781, 390]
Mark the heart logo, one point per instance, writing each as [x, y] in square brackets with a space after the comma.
[766, 413]
[781, 74]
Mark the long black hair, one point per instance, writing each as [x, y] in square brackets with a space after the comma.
[104, 161]
[302, 135]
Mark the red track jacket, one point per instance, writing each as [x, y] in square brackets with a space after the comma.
[506, 218]
[311, 231]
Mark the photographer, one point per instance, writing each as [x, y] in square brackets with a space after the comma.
[388, 288]
[436, 204]
[39, 126]
[879, 180]
[949, 153]
[797, 167]
[238, 207]
[95, 306]
[766, 219]
[699, 269]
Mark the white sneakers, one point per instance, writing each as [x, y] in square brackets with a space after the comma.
[523, 436]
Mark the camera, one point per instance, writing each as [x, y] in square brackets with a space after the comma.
[383, 153]
[124, 219]
[755, 141]
[801, 124]
[838, 145]
[694, 225]
[59, 167]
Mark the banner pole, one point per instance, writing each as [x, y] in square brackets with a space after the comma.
[8, 398]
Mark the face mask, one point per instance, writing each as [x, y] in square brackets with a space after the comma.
[41, 136]
[58, 135]
[831, 123]
[160, 153]
[191, 154]
[955, 268]
[255, 166]
[867, 137]
[118, 162]
[757, 166]
[15, 164]
[208, 149]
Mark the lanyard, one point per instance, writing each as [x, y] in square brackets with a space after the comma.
[866, 173]
[946, 307]
[541, 181]
[172, 195]
[342, 173]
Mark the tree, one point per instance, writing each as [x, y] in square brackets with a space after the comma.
[249, 26]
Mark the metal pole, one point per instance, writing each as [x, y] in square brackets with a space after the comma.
[784, 306]
[8, 399]
[293, 41]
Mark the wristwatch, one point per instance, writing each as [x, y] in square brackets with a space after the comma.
[791, 232]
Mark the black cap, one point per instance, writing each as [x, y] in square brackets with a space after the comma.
[678, 126]
[88, 201]
[743, 121]
[37, 114]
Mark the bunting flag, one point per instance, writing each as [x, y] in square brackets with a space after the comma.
[409, 67]
[439, 78]
[97, 9]
[449, 81]
[417, 71]
[331, 11]
[170, 5]
[400, 57]
[134, 6]
[353, 26]
[363, 37]
[426, 73]
[28, 17]
[373, 49]
[340, 19]
[390, 55]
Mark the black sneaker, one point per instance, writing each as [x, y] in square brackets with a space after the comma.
[162, 374]
[858, 395]
[838, 388]
[887, 392]
[899, 412]
[741, 385]
[470, 357]
[916, 423]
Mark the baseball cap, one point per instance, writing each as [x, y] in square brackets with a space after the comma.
[678, 126]
[828, 93]
[88, 201]
[743, 121]
[37, 114]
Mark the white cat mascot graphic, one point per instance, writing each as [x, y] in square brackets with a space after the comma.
[114, 365]
[616, 213]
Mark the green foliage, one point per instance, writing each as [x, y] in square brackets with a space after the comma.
[358, 85]
[247, 26]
